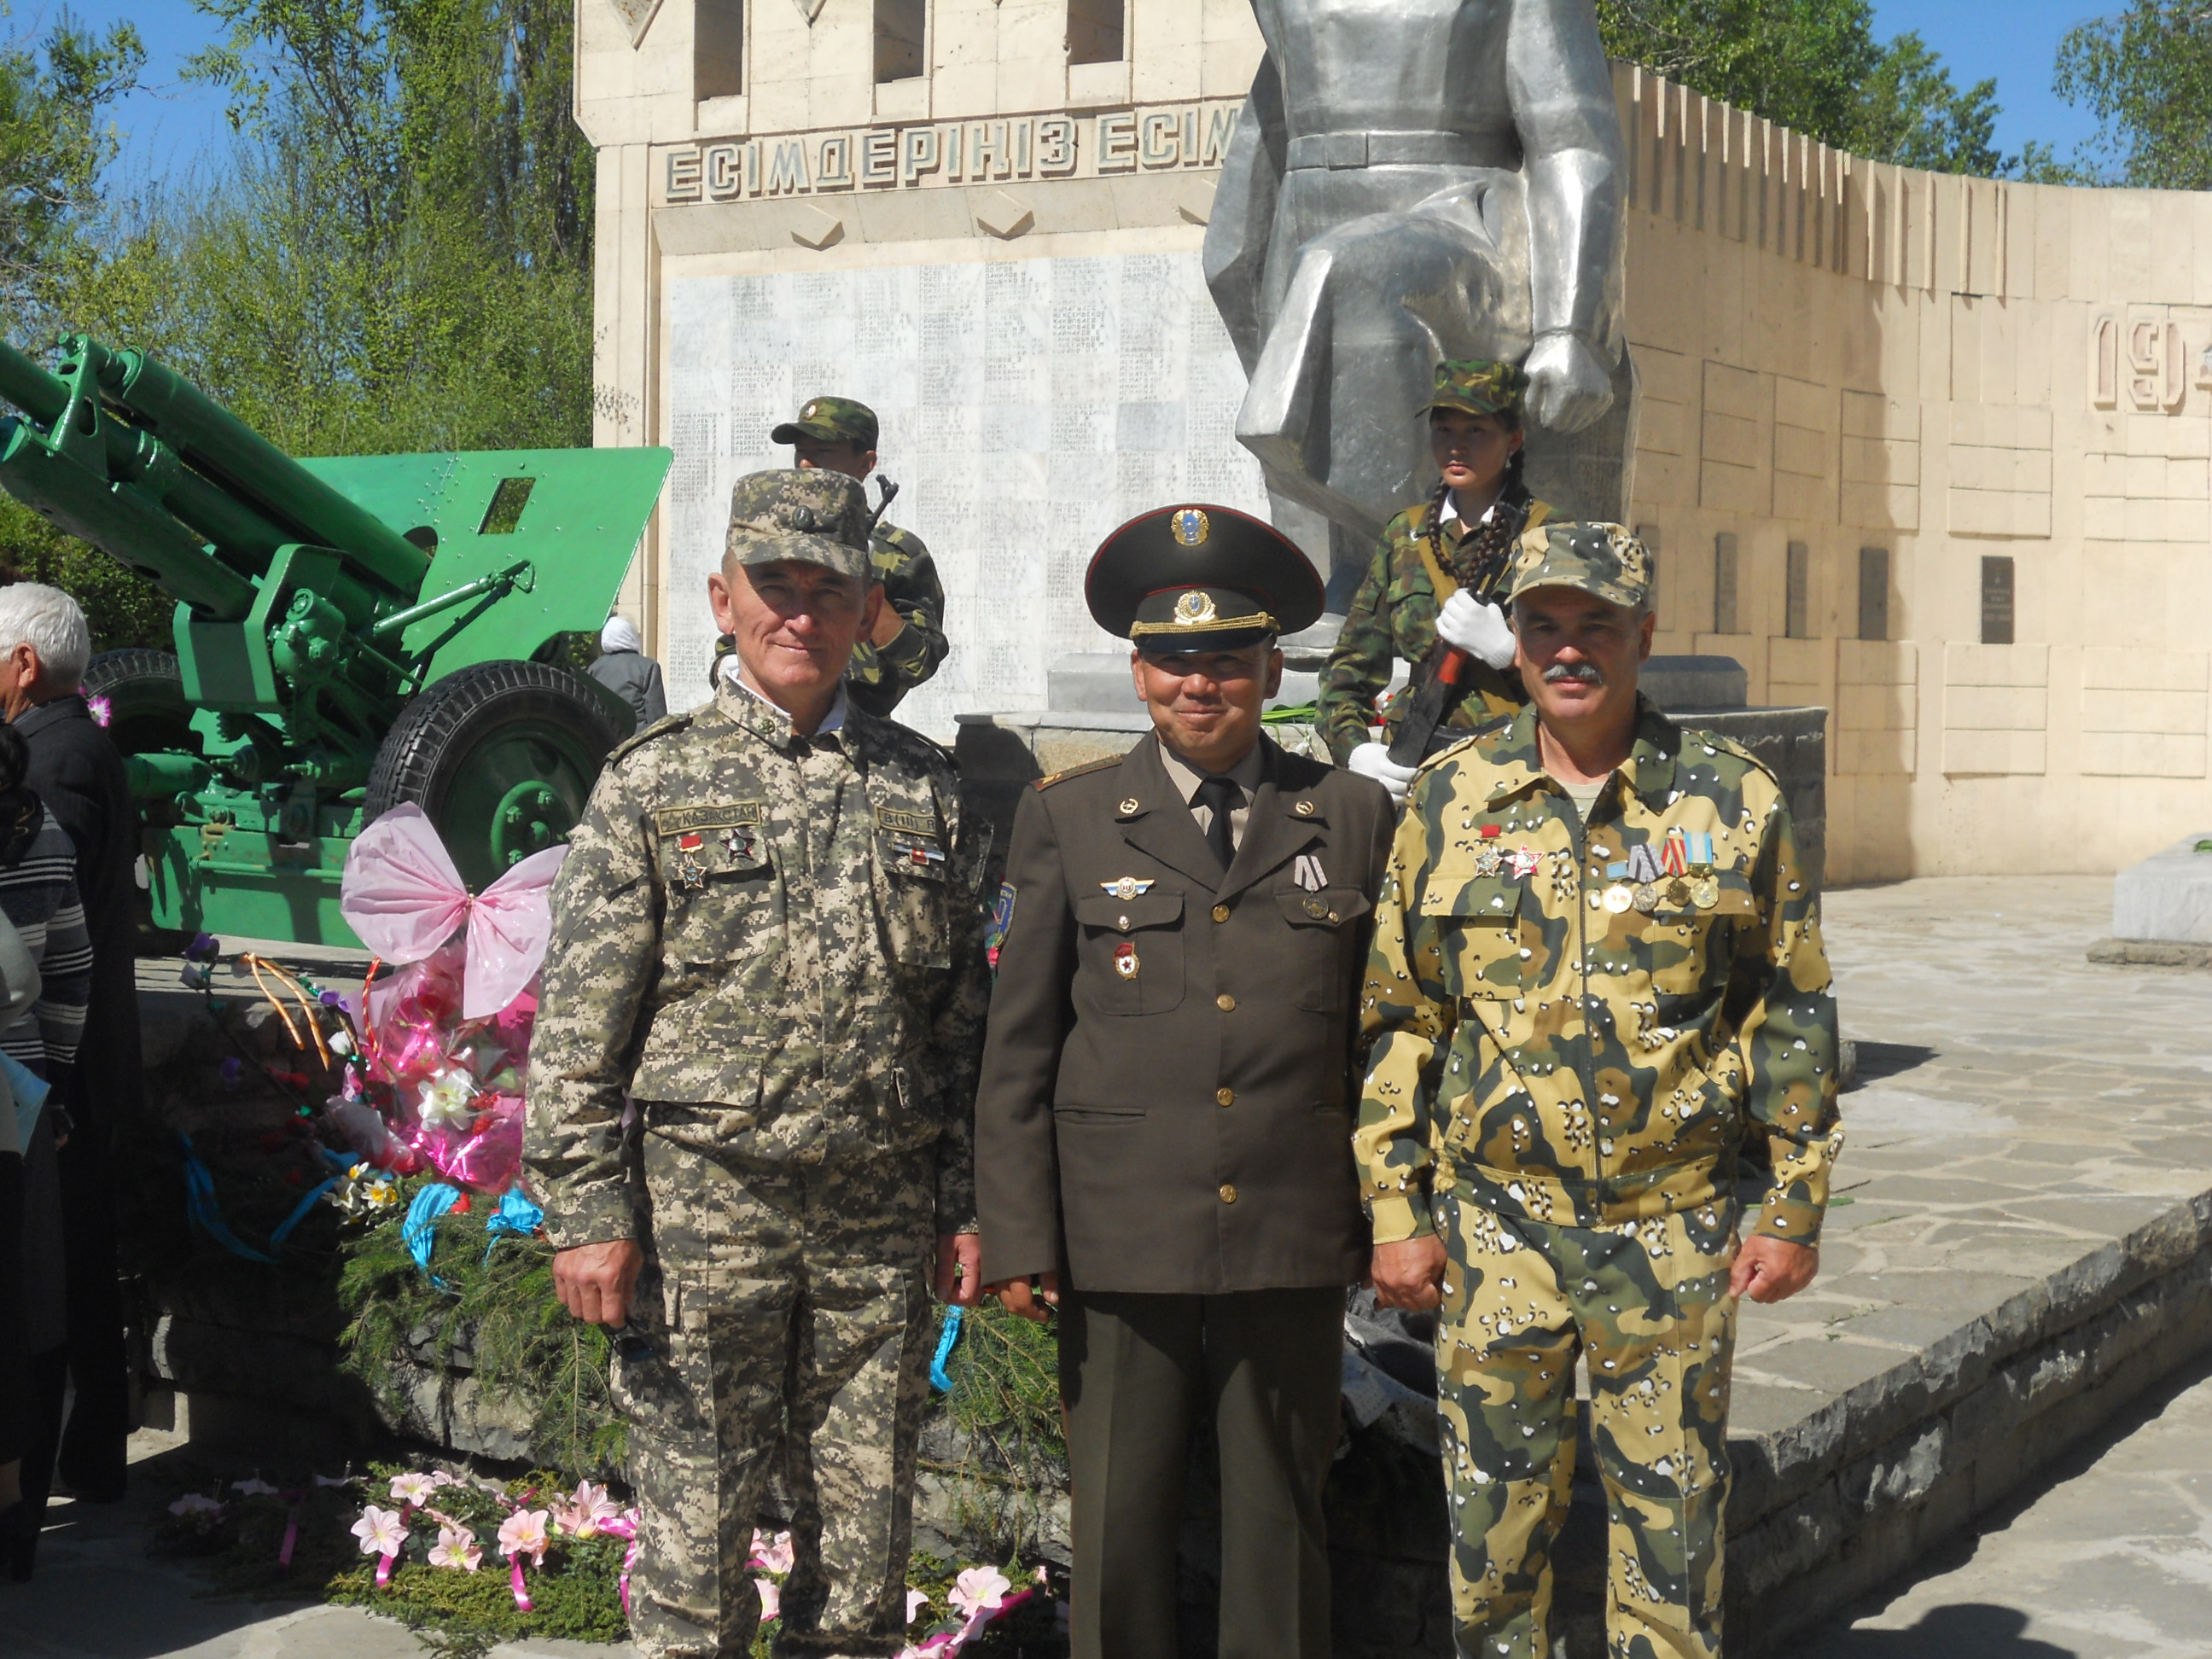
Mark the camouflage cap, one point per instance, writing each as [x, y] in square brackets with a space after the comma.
[830, 421]
[1478, 386]
[808, 514]
[1604, 559]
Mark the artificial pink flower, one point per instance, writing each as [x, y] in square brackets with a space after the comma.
[412, 1488]
[381, 1532]
[773, 1555]
[979, 1589]
[915, 1601]
[586, 1511]
[457, 1549]
[100, 708]
[524, 1533]
[194, 1503]
[771, 1599]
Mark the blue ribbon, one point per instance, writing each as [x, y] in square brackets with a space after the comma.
[419, 1230]
[945, 1338]
[207, 1215]
[516, 1214]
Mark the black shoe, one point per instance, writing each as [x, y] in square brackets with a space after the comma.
[19, 1540]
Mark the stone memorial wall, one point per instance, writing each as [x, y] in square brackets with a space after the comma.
[1028, 408]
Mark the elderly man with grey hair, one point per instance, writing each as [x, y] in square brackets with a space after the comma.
[44, 645]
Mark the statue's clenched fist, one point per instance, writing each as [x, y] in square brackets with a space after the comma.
[1569, 386]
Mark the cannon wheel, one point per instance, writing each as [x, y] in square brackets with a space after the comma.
[502, 755]
[146, 707]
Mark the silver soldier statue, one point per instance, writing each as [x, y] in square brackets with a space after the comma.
[1413, 181]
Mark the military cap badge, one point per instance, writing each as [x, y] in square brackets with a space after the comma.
[1190, 526]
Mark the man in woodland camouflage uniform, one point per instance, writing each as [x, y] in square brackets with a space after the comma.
[907, 642]
[768, 932]
[1597, 969]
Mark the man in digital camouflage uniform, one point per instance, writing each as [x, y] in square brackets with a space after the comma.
[1421, 582]
[768, 932]
[908, 641]
[1597, 971]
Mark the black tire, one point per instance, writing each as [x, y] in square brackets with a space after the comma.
[146, 707]
[502, 755]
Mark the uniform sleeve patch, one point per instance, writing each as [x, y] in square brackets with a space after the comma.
[1002, 922]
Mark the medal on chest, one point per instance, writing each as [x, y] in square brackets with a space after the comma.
[1125, 959]
[689, 869]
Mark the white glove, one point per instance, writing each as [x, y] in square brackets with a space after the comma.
[1478, 629]
[1372, 760]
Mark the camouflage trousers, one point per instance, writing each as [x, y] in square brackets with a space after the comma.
[1647, 1304]
[789, 1313]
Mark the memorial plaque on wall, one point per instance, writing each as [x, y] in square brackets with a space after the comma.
[1028, 407]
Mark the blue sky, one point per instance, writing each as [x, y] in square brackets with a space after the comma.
[170, 126]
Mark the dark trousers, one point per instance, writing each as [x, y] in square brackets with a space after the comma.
[95, 1447]
[1137, 1372]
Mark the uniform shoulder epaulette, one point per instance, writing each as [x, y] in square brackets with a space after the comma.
[1459, 748]
[898, 731]
[1728, 746]
[660, 728]
[1051, 778]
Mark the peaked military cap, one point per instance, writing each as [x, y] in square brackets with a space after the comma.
[1477, 386]
[1201, 579]
[1604, 559]
[830, 421]
[808, 514]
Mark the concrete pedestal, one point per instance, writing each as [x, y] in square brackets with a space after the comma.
[2167, 896]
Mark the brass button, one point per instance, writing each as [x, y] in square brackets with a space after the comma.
[1221, 912]
[1226, 1003]
[1228, 1193]
[1225, 1097]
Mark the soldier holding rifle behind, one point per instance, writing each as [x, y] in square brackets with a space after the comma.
[1429, 596]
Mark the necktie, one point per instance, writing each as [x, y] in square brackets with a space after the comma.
[1220, 797]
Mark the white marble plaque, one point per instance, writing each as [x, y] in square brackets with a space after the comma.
[1028, 408]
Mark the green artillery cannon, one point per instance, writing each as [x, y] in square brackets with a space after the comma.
[351, 633]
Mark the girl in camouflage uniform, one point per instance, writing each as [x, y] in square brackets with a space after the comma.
[1430, 559]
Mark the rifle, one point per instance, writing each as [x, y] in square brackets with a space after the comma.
[1433, 701]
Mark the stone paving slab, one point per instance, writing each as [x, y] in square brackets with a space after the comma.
[2113, 1561]
[2019, 1236]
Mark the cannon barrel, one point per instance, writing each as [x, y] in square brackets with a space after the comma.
[218, 443]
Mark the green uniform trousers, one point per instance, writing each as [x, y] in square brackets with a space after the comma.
[1137, 1372]
[787, 1307]
[1647, 1303]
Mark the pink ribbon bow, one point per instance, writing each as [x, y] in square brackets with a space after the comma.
[403, 896]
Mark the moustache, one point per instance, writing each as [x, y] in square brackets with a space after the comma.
[1582, 673]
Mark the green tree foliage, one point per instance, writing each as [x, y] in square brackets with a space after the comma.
[54, 147]
[2147, 73]
[396, 257]
[1815, 67]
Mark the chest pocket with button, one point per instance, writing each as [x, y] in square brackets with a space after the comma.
[1478, 921]
[1130, 952]
[914, 865]
[1324, 931]
[1688, 950]
[718, 887]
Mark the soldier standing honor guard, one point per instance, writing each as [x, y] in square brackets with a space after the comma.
[768, 932]
[1165, 1117]
[907, 643]
[1430, 573]
[1597, 968]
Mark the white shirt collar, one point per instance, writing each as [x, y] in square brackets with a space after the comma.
[833, 722]
[1450, 513]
